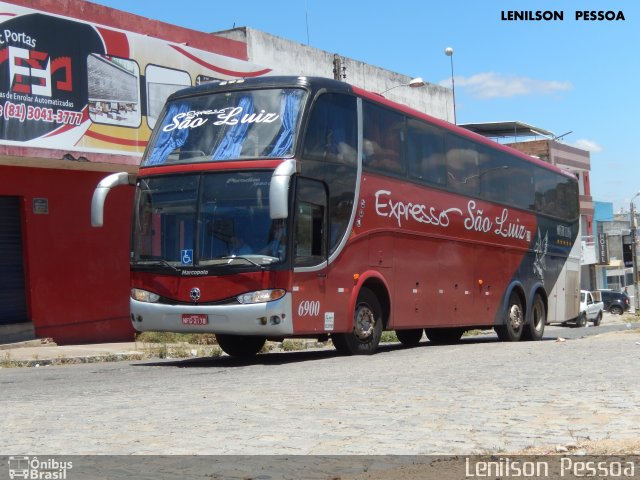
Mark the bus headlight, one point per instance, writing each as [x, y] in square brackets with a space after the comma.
[261, 296]
[144, 296]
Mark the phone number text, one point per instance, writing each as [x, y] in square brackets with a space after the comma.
[22, 112]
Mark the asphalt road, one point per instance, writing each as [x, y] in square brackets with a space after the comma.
[478, 396]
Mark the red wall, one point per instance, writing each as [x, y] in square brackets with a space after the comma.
[77, 276]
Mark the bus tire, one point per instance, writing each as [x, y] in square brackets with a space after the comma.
[511, 330]
[367, 327]
[240, 346]
[409, 338]
[444, 336]
[340, 344]
[535, 329]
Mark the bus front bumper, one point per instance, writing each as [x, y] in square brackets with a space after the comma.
[268, 319]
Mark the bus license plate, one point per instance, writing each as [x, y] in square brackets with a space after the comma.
[194, 319]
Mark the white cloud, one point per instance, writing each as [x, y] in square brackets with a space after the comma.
[588, 145]
[494, 85]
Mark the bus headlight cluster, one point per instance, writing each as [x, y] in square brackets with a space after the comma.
[261, 296]
[144, 296]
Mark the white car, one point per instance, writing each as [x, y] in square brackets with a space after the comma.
[590, 309]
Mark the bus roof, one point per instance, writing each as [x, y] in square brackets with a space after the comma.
[314, 83]
[320, 83]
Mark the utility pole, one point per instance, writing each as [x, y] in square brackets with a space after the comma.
[449, 53]
[634, 256]
[339, 69]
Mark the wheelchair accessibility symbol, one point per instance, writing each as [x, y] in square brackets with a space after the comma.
[186, 257]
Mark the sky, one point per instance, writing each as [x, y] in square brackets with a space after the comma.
[565, 76]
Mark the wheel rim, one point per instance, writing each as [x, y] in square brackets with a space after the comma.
[365, 322]
[515, 317]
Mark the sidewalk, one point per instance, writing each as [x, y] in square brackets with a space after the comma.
[40, 352]
[46, 352]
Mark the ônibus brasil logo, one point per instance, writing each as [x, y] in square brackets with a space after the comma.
[40, 469]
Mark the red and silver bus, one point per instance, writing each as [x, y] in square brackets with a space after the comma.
[281, 207]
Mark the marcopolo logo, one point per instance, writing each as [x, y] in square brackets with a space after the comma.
[40, 469]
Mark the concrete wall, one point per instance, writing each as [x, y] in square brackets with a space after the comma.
[292, 58]
[615, 230]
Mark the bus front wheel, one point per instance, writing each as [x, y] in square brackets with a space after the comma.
[367, 327]
[241, 346]
[511, 331]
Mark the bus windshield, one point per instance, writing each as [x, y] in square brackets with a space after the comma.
[227, 126]
[203, 220]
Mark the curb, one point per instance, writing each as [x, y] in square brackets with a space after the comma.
[7, 362]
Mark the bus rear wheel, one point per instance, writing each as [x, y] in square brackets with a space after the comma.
[535, 329]
[367, 327]
[409, 338]
[511, 331]
[444, 336]
[241, 346]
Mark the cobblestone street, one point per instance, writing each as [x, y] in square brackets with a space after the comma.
[475, 397]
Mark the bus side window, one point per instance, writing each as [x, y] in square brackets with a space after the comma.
[310, 242]
[330, 155]
[571, 209]
[384, 138]
[546, 192]
[462, 165]
[425, 153]
[331, 134]
[506, 180]
[521, 187]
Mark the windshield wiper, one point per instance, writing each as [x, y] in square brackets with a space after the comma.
[158, 261]
[240, 257]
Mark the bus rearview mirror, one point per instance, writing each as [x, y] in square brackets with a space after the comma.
[279, 190]
[101, 192]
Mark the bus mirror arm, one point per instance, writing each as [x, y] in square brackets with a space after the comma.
[279, 189]
[101, 191]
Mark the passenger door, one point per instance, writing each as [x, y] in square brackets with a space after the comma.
[310, 310]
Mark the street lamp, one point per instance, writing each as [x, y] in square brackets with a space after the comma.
[449, 53]
[632, 212]
[413, 83]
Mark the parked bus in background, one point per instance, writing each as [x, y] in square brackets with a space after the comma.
[281, 207]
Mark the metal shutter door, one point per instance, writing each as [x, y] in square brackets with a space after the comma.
[13, 308]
